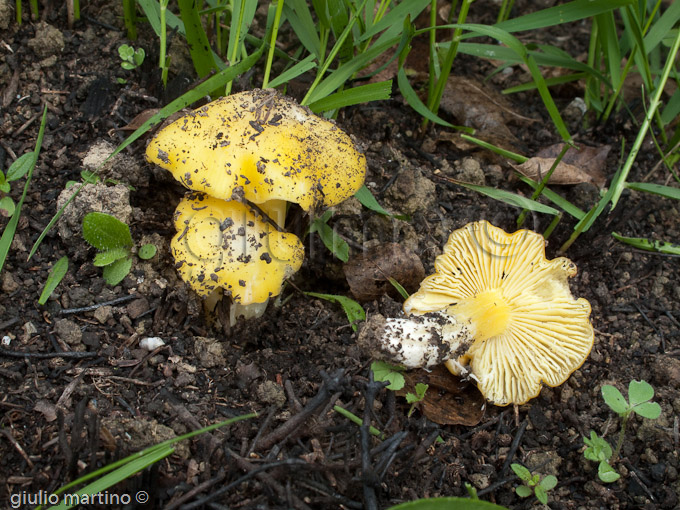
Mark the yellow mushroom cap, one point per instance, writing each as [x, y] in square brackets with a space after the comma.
[527, 326]
[263, 146]
[222, 244]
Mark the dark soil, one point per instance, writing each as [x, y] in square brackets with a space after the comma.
[78, 391]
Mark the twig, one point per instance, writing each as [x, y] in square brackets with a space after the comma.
[47, 355]
[196, 490]
[116, 301]
[329, 385]
[17, 446]
[513, 447]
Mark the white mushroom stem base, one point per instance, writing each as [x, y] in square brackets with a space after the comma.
[422, 341]
[417, 341]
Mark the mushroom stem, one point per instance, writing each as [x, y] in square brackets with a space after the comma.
[417, 341]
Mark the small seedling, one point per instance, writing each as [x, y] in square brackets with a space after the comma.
[354, 311]
[56, 275]
[393, 374]
[15, 172]
[640, 393]
[112, 238]
[599, 450]
[418, 396]
[533, 484]
[131, 58]
[335, 244]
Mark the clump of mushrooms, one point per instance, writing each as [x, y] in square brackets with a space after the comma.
[495, 310]
[248, 156]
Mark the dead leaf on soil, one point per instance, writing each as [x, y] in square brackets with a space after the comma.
[368, 273]
[591, 160]
[48, 410]
[577, 166]
[479, 106]
[448, 400]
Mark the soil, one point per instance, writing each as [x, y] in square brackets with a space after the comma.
[79, 391]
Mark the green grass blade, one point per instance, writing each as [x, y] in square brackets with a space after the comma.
[560, 14]
[396, 16]
[300, 18]
[358, 421]
[649, 244]
[556, 199]
[414, 100]
[653, 107]
[301, 67]
[356, 95]
[493, 148]
[663, 26]
[353, 310]
[117, 476]
[509, 198]
[57, 273]
[657, 189]
[11, 227]
[199, 46]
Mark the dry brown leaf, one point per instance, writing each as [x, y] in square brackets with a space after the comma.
[448, 400]
[480, 107]
[48, 410]
[591, 160]
[368, 273]
[537, 168]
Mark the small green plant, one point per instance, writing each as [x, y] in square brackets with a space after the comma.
[393, 374]
[130, 58]
[533, 484]
[16, 171]
[418, 396]
[56, 275]
[354, 311]
[599, 450]
[112, 238]
[640, 393]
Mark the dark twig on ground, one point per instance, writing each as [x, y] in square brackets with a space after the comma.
[330, 384]
[513, 447]
[47, 355]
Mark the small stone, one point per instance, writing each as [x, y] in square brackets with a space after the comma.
[48, 40]
[103, 314]
[479, 480]
[29, 330]
[137, 308]
[9, 284]
[69, 332]
[209, 352]
[269, 392]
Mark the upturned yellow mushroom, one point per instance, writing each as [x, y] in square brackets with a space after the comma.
[495, 310]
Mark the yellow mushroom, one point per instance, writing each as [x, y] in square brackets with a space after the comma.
[264, 147]
[495, 310]
[225, 245]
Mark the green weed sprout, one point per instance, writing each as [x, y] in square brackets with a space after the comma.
[418, 396]
[393, 374]
[16, 171]
[599, 450]
[354, 311]
[56, 275]
[131, 58]
[112, 238]
[640, 393]
[533, 484]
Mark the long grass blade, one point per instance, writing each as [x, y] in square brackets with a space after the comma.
[11, 227]
[656, 189]
[348, 97]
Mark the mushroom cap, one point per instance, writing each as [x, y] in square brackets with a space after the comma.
[544, 333]
[263, 146]
[222, 244]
